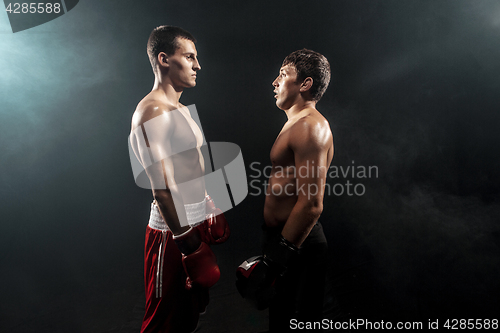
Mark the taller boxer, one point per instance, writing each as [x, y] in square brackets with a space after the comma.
[179, 264]
[290, 276]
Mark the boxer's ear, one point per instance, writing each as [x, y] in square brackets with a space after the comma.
[306, 84]
[163, 59]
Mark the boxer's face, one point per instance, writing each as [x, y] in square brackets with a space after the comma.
[183, 64]
[286, 88]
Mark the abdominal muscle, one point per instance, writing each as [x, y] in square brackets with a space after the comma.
[280, 199]
[188, 167]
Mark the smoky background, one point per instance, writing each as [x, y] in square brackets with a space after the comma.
[413, 91]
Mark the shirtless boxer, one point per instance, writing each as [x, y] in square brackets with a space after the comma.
[179, 264]
[289, 278]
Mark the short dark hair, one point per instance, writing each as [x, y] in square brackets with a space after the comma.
[164, 39]
[312, 64]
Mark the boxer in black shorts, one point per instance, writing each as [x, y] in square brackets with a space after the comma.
[289, 277]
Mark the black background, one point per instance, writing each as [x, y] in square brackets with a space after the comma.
[413, 92]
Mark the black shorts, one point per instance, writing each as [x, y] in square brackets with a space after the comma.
[300, 292]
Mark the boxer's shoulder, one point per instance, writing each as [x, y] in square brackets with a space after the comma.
[309, 120]
[311, 129]
[149, 108]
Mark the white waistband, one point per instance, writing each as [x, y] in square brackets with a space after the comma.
[195, 214]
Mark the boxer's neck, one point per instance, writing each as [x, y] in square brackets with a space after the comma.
[164, 85]
[297, 108]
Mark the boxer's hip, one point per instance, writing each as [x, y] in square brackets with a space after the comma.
[195, 215]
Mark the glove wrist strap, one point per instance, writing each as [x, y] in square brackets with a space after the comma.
[188, 241]
[280, 252]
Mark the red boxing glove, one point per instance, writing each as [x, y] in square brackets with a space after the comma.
[200, 263]
[215, 229]
[201, 267]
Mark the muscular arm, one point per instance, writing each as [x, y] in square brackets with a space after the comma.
[159, 124]
[310, 142]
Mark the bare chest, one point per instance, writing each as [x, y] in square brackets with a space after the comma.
[281, 153]
[187, 135]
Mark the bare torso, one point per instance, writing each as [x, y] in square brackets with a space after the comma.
[282, 191]
[181, 147]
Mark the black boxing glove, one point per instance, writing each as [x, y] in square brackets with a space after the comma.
[256, 277]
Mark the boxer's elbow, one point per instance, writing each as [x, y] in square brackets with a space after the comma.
[312, 207]
[316, 210]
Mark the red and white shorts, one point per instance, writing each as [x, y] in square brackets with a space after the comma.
[169, 306]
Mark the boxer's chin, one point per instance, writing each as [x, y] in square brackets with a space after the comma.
[278, 104]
